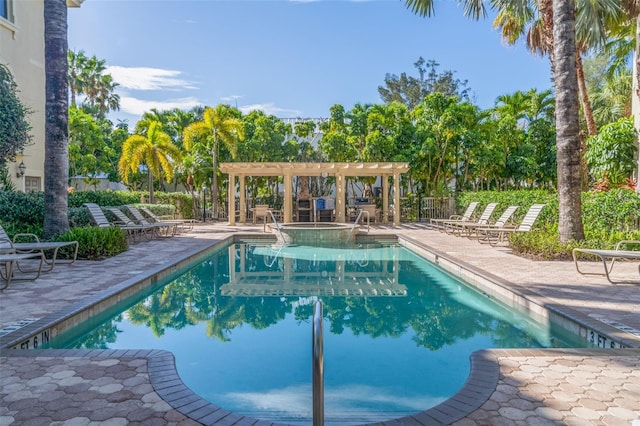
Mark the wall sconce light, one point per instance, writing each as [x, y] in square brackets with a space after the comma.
[21, 169]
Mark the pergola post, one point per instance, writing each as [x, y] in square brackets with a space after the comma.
[396, 199]
[288, 198]
[242, 201]
[231, 199]
[385, 199]
[340, 198]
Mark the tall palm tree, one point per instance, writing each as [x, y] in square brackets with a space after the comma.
[218, 125]
[570, 221]
[56, 146]
[155, 150]
[567, 122]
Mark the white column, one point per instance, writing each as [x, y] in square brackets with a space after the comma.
[243, 204]
[340, 198]
[288, 198]
[396, 199]
[385, 199]
[231, 199]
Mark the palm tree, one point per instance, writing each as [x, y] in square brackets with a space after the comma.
[565, 80]
[155, 150]
[218, 125]
[569, 187]
[56, 165]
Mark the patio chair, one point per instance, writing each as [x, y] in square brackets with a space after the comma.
[134, 232]
[146, 230]
[496, 234]
[161, 229]
[458, 226]
[465, 217]
[11, 260]
[612, 256]
[469, 229]
[184, 225]
[261, 211]
[36, 246]
[370, 212]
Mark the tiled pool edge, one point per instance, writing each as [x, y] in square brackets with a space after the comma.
[163, 376]
[529, 302]
[481, 383]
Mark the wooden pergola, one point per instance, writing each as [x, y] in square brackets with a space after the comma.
[339, 170]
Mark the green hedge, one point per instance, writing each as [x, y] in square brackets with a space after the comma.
[97, 243]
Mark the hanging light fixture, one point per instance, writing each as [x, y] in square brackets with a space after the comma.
[21, 169]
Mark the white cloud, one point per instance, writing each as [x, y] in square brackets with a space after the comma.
[136, 106]
[344, 401]
[270, 109]
[145, 78]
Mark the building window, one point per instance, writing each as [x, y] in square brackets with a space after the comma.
[31, 183]
[6, 11]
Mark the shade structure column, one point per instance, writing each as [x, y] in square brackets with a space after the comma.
[231, 199]
[396, 199]
[243, 204]
[288, 198]
[385, 199]
[340, 198]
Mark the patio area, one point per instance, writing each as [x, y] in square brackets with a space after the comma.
[510, 386]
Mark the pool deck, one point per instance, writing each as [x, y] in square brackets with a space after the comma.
[505, 387]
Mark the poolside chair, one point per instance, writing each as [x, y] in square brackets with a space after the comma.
[466, 216]
[469, 229]
[133, 232]
[184, 225]
[147, 231]
[261, 211]
[34, 245]
[11, 260]
[370, 212]
[496, 234]
[458, 226]
[161, 229]
[612, 256]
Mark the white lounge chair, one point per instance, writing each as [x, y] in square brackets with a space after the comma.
[462, 226]
[496, 234]
[466, 216]
[611, 256]
[469, 229]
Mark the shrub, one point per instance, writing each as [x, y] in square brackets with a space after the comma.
[97, 243]
[103, 198]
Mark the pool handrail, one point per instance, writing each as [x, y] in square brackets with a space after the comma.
[273, 217]
[353, 227]
[318, 366]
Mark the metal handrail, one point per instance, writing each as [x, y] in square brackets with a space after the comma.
[353, 227]
[318, 366]
[273, 217]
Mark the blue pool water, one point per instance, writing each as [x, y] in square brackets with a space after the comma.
[398, 330]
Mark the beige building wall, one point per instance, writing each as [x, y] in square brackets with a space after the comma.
[22, 51]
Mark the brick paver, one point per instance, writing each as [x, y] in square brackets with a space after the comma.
[532, 387]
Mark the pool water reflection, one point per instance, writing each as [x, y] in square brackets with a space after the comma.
[398, 331]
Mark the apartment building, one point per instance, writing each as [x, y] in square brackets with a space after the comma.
[22, 51]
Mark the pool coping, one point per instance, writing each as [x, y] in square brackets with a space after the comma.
[163, 376]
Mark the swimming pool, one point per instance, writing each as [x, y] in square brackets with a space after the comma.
[398, 331]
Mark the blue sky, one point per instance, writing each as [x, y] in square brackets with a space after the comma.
[288, 58]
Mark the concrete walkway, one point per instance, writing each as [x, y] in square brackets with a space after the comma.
[547, 386]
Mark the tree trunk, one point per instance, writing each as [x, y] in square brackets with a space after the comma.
[214, 181]
[636, 115]
[584, 98]
[567, 121]
[588, 118]
[56, 146]
[152, 197]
